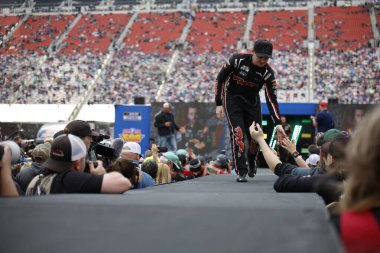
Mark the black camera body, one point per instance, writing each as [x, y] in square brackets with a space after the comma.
[101, 151]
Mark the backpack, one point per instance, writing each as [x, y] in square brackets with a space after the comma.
[40, 185]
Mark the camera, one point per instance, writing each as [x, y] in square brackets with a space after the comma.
[101, 149]
[162, 149]
[15, 151]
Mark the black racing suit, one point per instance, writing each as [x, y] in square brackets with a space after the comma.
[237, 89]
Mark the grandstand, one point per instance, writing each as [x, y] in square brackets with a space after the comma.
[110, 52]
[113, 63]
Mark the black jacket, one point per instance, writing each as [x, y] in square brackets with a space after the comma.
[240, 77]
[159, 122]
[25, 176]
[323, 184]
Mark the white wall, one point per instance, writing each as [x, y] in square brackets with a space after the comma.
[36, 113]
[98, 112]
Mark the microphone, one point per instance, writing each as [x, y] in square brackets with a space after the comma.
[117, 145]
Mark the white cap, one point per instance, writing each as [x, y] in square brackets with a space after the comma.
[312, 159]
[132, 147]
[166, 105]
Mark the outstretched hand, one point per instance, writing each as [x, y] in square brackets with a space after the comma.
[281, 135]
[289, 145]
[256, 131]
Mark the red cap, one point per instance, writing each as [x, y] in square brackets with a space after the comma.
[323, 104]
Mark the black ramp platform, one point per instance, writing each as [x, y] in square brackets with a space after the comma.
[211, 214]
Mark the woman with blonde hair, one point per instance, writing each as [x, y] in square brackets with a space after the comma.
[163, 174]
[359, 222]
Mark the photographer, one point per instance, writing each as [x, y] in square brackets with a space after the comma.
[83, 130]
[132, 152]
[7, 186]
[65, 172]
[40, 154]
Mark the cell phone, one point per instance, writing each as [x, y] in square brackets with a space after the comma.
[162, 149]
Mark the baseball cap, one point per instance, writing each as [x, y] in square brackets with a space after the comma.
[80, 128]
[312, 159]
[323, 104]
[166, 105]
[41, 153]
[263, 48]
[336, 146]
[195, 165]
[181, 152]
[221, 160]
[64, 151]
[132, 147]
[60, 132]
[173, 158]
[330, 135]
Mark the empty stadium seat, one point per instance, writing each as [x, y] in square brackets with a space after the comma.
[342, 27]
[286, 29]
[94, 33]
[155, 32]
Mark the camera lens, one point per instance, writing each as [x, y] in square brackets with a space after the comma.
[15, 151]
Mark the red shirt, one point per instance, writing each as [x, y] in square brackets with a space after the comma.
[360, 232]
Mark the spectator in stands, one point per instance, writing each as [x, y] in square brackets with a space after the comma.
[39, 155]
[359, 221]
[342, 77]
[289, 183]
[245, 75]
[132, 152]
[65, 172]
[7, 185]
[166, 126]
[163, 174]
[324, 120]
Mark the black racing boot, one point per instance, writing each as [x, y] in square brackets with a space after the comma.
[252, 168]
[241, 178]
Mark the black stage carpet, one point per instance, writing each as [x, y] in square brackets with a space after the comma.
[211, 214]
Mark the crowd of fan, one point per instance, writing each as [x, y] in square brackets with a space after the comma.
[59, 80]
[205, 34]
[67, 150]
[94, 33]
[65, 78]
[335, 169]
[130, 74]
[45, 31]
[154, 32]
[286, 29]
[334, 32]
[351, 76]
